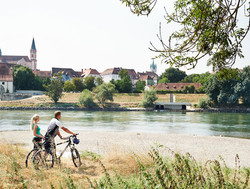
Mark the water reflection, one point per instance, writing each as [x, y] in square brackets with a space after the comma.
[235, 125]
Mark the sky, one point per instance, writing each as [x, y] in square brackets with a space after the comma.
[81, 34]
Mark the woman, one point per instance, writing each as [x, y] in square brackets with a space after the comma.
[37, 140]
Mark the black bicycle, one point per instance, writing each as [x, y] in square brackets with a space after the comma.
[47, 161]
[30, 155]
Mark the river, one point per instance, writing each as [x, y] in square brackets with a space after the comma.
[190, 123]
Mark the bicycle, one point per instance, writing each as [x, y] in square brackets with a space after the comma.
[48, 160]
[30, 155]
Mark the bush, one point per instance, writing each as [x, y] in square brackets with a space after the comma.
[203, 103]
[149, 97]
[69, 86]
[86, 99]
[104, 92]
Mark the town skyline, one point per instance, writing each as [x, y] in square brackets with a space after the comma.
[88, 35]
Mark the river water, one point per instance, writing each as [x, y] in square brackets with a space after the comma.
[203, 124]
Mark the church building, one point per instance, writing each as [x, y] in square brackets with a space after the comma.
[7, 62]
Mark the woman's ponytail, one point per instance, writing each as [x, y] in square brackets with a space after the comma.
[32, 121]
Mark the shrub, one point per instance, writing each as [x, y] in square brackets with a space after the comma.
[86, 99]
[104, 92]
[69, 86]
[149, 97]
[203, 103]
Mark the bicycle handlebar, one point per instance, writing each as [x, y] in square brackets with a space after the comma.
[66, 138]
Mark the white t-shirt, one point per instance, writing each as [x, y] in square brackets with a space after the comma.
[54, 125]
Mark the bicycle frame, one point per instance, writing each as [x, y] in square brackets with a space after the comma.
[68, 145]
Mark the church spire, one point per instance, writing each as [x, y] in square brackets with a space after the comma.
[33, 56]
[33, 46]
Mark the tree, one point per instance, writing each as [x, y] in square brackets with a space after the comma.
[124, 85]
[149, 97]
[99, 81]
[164, 80]
[89, 83]
[242, 88]
[140, 85]
[221, 91]
[23, 78]
[69, 86]
[174, 75]
[104, 92]
[78, 84]
[207, 28]
[54, 89]
[86, 99]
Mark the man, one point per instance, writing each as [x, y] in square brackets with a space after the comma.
[53, 131]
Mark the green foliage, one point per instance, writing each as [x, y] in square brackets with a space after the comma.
[206, 28]
[149, 97]
[140, 85]
[23, 78]
[54, 89]
[78, 84]
[164, 80]
[89, 83]
[124, 85]
[86, 99]
[69, 86]
[99, 81]
[174, 75]
[203, 103]
[179, 172]
[104, 92]
[197, 78]
[222, 91]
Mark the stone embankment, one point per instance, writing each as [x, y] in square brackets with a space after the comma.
[209, 110]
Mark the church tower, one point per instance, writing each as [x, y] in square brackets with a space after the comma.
[153, 67]
[33, 56]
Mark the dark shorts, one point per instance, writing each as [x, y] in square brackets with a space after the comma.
[49, 143]
[37, 142]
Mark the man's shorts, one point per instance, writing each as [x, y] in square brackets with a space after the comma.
[49, 143]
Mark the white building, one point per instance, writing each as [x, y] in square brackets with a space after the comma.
[111, 73]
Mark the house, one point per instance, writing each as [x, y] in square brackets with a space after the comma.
[152, 74]
[43, 74]
[113, 73]
[90, 72]
[176, 86]
[148, 80]
[6, 77]
[133, 76]
[67, 73]
[110, 73]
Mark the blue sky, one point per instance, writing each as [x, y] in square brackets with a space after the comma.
[83, 34]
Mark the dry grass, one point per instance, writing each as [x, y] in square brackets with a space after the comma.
[14, 174]
[120, 100]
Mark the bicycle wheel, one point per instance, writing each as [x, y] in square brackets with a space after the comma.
[76, 157]
[39, 161]
[29, 157]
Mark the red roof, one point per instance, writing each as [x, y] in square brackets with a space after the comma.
[90, 71]
[145, 77]
[43, 74]
[111, 71]
[6, 72]
[176, 86]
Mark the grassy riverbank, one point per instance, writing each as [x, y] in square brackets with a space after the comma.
[120, 171]
[120, 100]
